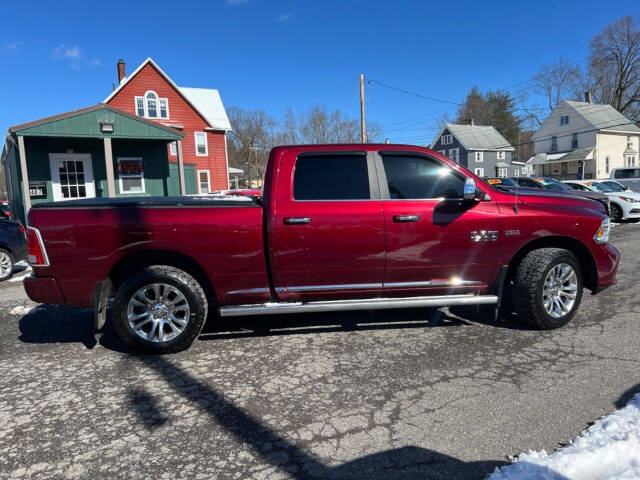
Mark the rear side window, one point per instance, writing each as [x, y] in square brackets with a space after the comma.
[411, 177]
[331, 177]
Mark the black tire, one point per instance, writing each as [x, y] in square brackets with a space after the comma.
[180, 280]
[529, 284]
[7, 271]
[616, 213]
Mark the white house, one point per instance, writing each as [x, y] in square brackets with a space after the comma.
[584, 140]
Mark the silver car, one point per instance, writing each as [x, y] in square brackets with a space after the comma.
[625, 205]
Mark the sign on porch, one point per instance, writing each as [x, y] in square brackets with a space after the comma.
[38, 189]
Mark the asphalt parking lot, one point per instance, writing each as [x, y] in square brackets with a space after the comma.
[403, 394]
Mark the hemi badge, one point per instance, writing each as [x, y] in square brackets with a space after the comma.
[484, 236]
[511, 233]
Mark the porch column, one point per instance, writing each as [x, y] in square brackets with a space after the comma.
[108, 163]
[25, 175]
[183, 190]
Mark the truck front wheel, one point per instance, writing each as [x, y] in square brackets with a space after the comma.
[159, 309]
[547, 288]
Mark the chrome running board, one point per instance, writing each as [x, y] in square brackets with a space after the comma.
[359, 304]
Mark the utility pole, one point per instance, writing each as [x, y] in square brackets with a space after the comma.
[363, 128]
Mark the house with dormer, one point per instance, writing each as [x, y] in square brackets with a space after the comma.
[479, 148]
[198, 113]
[584, 140]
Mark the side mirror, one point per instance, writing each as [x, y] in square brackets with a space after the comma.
[471, 191]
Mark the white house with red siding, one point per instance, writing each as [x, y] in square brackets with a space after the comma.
[197, 112]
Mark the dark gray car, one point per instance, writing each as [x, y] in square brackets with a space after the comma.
[13, 246]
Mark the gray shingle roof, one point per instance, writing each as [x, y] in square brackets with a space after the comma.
[604, 117]
[478, 137]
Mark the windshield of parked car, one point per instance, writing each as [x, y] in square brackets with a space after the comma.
[552, 184]
[600, 187]
[615, 186]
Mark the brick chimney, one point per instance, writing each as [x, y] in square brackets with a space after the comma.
[121, 72]
[587, 97]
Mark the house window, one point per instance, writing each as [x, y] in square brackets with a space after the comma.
[453, 154]
[173, 149]
[501, 155]
[554, 144]
[479, 172]
[443, 152]
[574, 141]
[564, 120]
[631, 161]
[447, 140]
[606, 164]
[524, 171]
[629, 142]
[151, 106]
[131, 174]
[478, 157]
[204, 184]
[503, 172]
[202, 148]
[516, 173]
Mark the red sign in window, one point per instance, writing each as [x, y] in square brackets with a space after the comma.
[130, 167]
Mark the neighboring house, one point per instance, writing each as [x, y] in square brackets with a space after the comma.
[98, 151]
[481, 149]
[197, 112]
[583, 140]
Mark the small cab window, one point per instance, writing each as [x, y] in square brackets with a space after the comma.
[331, 177]
[415, 177]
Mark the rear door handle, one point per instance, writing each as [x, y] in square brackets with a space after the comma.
[296, 220]
[406, 218]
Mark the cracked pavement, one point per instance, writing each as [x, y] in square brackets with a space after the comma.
[394, 394]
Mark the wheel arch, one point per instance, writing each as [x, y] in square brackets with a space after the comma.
[134, 261]
[579, 249]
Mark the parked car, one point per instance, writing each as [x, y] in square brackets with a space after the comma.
[340, 227]
[548, 183]
[618, 187]
[629, 176]
[244, 192]
[624, 205]
[13, 245]
[4, 208]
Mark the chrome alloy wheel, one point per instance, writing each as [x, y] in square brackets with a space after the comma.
[158, 312]
[6, 265]
[560, 290]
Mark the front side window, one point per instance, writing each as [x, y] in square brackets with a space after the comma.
[204, 184]
[478, 156]
[418, 177]
[131, 175]
[331, 177]
[554, 144]
[201, 144]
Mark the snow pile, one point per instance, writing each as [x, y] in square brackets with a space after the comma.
[608, 450]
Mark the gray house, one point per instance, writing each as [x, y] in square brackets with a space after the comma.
[481, 149]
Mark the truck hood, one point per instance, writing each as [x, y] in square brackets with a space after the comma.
[573, 197]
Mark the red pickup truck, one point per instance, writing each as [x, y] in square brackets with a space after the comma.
[339, 227]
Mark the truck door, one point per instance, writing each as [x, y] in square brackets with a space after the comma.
[436, 242]
[328, 235]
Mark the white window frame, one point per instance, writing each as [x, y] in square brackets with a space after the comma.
[479, 172]
[478, 157]
[198, 172]
[503, 172]
[607, 164]
[564, 120]
[501, 155]
[447, 139]
[454, 154]
[173, 148]
[553, 140]
[56, 187]
[524, 170]
[129, 175]
[516, 172]
[206, 144]
[146, 105]
[630, 161]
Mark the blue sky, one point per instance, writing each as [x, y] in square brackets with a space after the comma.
[271, 54]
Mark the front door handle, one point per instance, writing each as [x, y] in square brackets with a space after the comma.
[297, 220]
[406, 218]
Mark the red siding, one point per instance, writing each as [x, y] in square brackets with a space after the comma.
[180, 113]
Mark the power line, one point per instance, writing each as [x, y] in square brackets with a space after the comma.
[408, 92]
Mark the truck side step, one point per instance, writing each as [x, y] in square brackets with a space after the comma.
[358, 304]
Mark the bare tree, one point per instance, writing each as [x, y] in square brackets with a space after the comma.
[555, 82]
[614, 66]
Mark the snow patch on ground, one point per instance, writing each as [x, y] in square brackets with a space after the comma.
[608, 450]
[22, 310]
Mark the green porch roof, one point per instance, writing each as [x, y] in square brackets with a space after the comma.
[86, 123]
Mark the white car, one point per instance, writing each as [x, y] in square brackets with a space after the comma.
[624, 205]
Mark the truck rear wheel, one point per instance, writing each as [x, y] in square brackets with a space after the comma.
[159, 309]
[547, 288]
